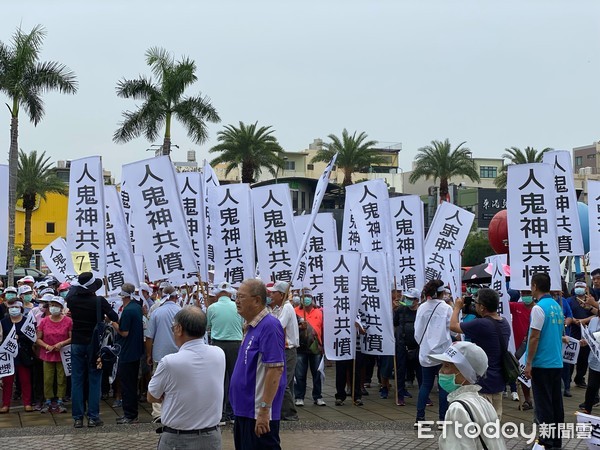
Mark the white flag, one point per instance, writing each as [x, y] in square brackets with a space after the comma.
[350, 236]
[499, 285]
[209, 180]
[120, 263]
[323, 239]
[10, 344]
[375, 306]
[531, 210]
[452, 273]
[59, 261]
[570, 241]
[449, 230]
[231, 225]
[341, 283]
[7, 365]
[65, 357]
[86, 222]
[159, 219]
[274, 229]
[408, 237]
[28, 327]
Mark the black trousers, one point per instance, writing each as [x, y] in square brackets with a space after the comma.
[582, 364]
[548, 401]
[245, 438]
[343, 372]
[128, 377]
[231, 349]
[591, 393]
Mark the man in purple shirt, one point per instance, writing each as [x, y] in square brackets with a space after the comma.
[258, 380]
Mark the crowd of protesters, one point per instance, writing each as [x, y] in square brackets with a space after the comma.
[264, 339]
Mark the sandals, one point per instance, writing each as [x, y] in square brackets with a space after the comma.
[28, 408]
[526, 406]
[4, 410]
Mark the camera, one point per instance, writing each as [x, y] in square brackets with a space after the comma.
[469, 306]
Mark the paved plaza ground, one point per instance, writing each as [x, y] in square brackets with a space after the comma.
[379, 424]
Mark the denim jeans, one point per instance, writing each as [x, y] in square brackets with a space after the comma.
[428, 374]
[303, 361]
[80, 367]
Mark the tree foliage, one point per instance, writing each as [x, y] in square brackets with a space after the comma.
[477, 248]
[517, 156]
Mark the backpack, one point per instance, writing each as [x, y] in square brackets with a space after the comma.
[104, 348]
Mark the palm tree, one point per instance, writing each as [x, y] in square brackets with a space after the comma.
[251, 147]
[517, 156]
[163, 101]
[35, 179]
[439, 161]
[356, 154]
[23, 78]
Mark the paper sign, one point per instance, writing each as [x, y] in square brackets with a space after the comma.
[81, 262]
[65, 356]
[522, 378]
[7, 365]
[588, 429]
[28, 328]
[10, 344]
[570, 351]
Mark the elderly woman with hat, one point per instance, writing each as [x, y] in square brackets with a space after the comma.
[24, 359]
[54, 332]
[463, 364]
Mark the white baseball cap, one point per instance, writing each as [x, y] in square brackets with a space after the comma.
[224, 286]
[145, 287]
[279, 286]
[28, 279]
[25, 289]
[412, 293]
[470, 359]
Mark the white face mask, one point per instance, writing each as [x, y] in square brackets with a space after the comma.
[14, 312]
[55, 310]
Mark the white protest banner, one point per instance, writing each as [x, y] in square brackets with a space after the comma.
[277, 250]
[593, 189]
[323, 238]
[86, 219]
[231, 222]
[499, 285]
[127, 211]
[375, 306]
[569, 239]
[120, 263]
[591, 341]
[320, 190]
[350, 237]
[65, 357]
[531, 209]
[408, 237]
[341, 281]
[371, 212]
[10, 344]
[209, 180]
[3, 217]
[59, 261]
[452, 273]
[570, 350]
[190, 189]
[28, 328]
[588, 429]
[522, 378]
[449, 230]
[139, 265]
[159, 219]
[7, 365]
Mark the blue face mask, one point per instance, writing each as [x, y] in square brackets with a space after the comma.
[63, 294]
[409, 302]
[527, 299]
[10, 295]
[579, 291]
[307, 301]
[269, 300]
[296, 300]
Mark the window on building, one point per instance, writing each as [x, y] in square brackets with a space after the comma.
[592, 156]
[289, 165]
[488, 171]
[579, 160]
[50, 227]
[310, 167]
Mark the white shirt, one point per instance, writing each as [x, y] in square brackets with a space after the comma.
[287, 317]
[482, 411]
[435, 335]
[192, 383]
[537, 317]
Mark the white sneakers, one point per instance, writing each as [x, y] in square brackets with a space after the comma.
[515, 397]
[299, 402]
[320, 402]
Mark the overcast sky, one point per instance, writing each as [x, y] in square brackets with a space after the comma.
[493, 73]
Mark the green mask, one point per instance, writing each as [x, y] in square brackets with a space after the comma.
[448, 382]
[27, 297]
[10, 296]
[527, 299]
[63, 294]
[408, 302]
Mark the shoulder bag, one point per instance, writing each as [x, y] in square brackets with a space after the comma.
[464, 405]
[427, 324]
[510, 366]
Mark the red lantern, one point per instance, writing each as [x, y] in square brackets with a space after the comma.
[498, 232]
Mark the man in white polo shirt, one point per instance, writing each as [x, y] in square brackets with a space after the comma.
[284, 311]
[191, 410]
